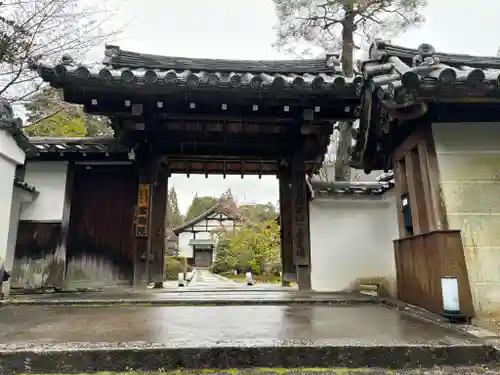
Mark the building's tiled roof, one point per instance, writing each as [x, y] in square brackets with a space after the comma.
[25, 186]
[403, 84]
[219, 207]
[384, 183]
[196, 219]
[394, 73]
[82, 145]
[118, 58]
[130, 68]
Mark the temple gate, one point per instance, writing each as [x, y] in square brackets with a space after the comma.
[179, 115]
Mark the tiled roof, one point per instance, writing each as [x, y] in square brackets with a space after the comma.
[118, 58]
[400, 74]
[12, 125]
[339, 188]
[25, 186]
[95, 145]
[131, 68]
[403, 84]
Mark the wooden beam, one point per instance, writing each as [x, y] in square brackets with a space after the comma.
[416, 192]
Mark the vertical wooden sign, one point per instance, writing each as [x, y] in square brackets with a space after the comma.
[142, 214]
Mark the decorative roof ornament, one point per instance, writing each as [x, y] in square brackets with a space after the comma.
[110, 51]
[67, 59]
[7, 119]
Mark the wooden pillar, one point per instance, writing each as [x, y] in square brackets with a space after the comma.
[300, 222]
[159, 192]
[287, 258]
[417, 182]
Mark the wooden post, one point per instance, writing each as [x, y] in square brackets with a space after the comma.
[65, 223]
[158, 221]
[287, 258]
[300, 222]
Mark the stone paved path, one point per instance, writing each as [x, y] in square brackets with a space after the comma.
[204, 279]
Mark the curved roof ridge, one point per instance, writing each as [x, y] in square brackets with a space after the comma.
[119, 58]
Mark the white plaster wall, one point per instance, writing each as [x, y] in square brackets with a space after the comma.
[469, 166]
[7, 171]
[351, 241]
[10, 150]
[50, 179]
[185, 250]
[10, 156]
[212, 224]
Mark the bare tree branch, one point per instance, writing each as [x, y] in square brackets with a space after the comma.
[346, 25]
[31, 29]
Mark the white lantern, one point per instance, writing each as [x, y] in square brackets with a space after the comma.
[451, 299]
[180, 278]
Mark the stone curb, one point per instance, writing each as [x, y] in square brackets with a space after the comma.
[74, 358]
[189, 302]
[428, 316]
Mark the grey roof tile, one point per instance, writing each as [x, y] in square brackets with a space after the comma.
[130, 68]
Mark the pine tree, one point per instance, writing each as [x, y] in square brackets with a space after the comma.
[200, 205]
[174, 217]
[342, 25]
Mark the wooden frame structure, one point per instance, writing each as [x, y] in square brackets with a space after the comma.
[405, 91]
[179, 115]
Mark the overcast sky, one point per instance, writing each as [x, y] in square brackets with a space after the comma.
[243, 29]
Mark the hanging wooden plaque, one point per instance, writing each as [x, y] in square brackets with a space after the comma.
[142, 214]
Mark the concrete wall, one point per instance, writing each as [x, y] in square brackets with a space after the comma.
[50, 180]
[469, 166]
[10, 157]
[351, 241]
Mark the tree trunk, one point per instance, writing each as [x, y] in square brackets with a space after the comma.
[343, 151]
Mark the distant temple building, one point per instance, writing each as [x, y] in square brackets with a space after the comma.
[197, 238]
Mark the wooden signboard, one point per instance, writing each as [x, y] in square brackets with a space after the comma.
[142, 214]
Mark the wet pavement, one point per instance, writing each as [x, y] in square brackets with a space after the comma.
[113, 338]
[221, 325]
[218, 323]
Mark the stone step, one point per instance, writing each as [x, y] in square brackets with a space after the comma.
[95, 357]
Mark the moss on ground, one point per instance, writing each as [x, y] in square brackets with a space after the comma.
[267, 371]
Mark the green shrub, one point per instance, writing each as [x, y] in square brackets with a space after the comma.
[172, 268]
